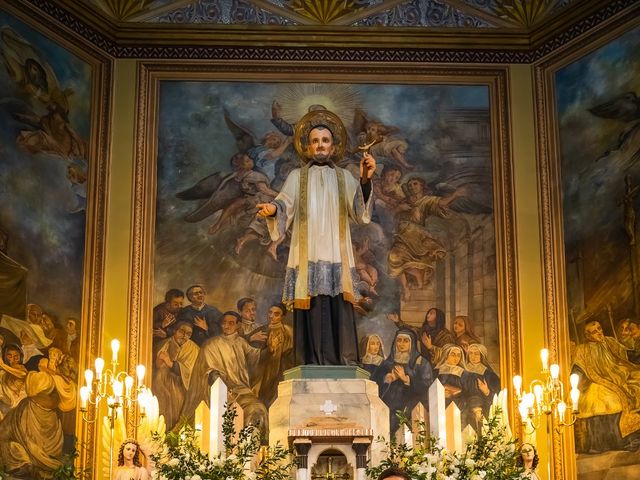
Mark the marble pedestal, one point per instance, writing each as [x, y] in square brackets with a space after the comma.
[321, 408]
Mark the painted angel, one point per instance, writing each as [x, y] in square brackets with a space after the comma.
[625, 109]
[46, 112]
[415, 248]
[231, 194]
[31, 73]
[387, 143]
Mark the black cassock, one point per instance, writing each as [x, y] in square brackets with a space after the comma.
[326, 333]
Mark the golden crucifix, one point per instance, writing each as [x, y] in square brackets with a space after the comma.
[330, 475]
[365, 148]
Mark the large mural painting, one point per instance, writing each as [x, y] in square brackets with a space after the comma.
[599, 120]
[45, 95]
[426, 263]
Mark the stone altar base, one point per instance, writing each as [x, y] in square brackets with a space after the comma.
[329, 410]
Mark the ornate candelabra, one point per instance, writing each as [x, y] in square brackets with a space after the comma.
[119, 389]
[546, 397]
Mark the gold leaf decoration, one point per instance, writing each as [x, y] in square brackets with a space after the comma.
[324, 11]
[122, 9]
[524, 13]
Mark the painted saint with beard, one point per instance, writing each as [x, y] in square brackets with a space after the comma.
[318, 201]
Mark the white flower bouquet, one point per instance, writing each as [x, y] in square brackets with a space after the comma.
[492, 455]
[178, 456]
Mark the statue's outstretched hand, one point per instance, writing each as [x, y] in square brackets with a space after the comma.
[367, 166]
[266, 209]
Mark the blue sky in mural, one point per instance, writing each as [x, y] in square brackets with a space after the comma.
[197, 107]
[45, 218]
[596, 153]
[599, 134]
[593, 77]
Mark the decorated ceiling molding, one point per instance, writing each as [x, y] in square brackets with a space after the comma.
[504, 14]
[449, 31]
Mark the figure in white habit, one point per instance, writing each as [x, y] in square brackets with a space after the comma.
[317, 201]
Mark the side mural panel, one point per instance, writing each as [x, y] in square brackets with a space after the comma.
[427, 262]
[45, 98]
[599, 126]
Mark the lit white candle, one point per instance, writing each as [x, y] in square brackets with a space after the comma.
[574, 379]
[128, 383]
[99, 368]
[117, 390]
[517, 384]
[524, 411]
[140, 371]
[562, 407]
[544, 356]
[575, 396]
[537, 391]
[88, 378]
[142, 401]
[115, 347]
[529, 399]
[555, 371]
[84, 397]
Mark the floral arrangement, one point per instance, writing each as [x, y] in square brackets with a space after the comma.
[492, 456]
[178, 456]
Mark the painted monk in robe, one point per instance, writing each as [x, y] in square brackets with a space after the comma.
[610, 393]
[277, 356]
[231, 358]
[172, 375]
[31, 436]
[317, 201]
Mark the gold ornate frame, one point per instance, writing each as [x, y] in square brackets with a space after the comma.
[151, 74]
[97, 184]
[562, 453]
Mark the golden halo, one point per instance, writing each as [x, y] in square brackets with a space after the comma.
[314, 119]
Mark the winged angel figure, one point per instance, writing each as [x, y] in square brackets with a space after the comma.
[385, 141]
[625, 109]
[47, 116]
[231, 196]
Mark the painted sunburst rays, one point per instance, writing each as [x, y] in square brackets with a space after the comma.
[295, 100]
